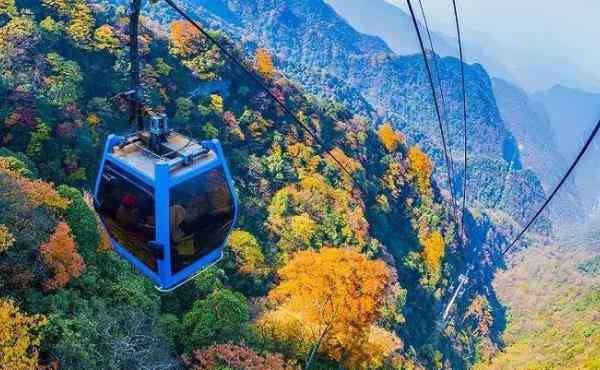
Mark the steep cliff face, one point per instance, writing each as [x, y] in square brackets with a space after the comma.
[539, 147]
[316, 47]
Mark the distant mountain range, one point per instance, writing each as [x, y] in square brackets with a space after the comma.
[539, 146]
[391, 24]
[526, 68]
[526, 118]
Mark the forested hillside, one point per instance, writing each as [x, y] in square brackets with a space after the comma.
[324, 270]
[552, 297]
[318, 48]
[539, 147]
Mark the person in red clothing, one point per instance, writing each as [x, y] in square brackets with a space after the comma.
[127, 212]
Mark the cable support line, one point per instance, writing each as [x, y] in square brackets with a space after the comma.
[564, 179]
[439, 81]
[566, 176]
[464, 98]
[436, 104]
[259, 81]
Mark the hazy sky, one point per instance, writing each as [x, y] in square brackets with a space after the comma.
[558, 29]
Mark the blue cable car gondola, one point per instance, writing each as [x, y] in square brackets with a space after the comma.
[167, 201]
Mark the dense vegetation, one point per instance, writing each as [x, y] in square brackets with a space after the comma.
[320, 273]
[313, 45]
[553, 301]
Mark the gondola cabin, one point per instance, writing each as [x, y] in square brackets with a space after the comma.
[169, 210]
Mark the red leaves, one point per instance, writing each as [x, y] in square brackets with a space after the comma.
[236, 357]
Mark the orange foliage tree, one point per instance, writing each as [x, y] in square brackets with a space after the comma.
[479, 310]
[106, 39]
[420, 168]
[19, 337]
[390, 138]
[264, 63]
[42, 193]
[61, 256]
[336, 296]
[183, 36]
[38, 192]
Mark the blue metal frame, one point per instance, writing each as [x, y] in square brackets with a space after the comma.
[165, 281]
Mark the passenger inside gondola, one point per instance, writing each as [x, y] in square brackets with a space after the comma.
[128, 212]
[201, 216]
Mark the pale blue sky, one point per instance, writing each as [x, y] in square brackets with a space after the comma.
[561, 30]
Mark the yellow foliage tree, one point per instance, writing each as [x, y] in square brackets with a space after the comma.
[6, 238]
[372, 351]
[79, 18]
[297, 235]
[247, 254]
[38, 192]
[106, 39]
[63, 7]
[216, 103]
[393, 179]
[42, 193]
[19, 337]
[61, 256]
[337, 295]
[420, 168]
[93, 119]
[304, 159]
[264, 63]
[433, 251]
[390, 138]
[312, 214]
[8, 7]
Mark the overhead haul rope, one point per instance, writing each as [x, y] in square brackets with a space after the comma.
[464, 277]
[464, 99]
[264, 87]
[439, 80]
[556, 189]
[436, 104]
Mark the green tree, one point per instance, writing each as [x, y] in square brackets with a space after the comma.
[221, 317]
[82, 221]
[63, 86]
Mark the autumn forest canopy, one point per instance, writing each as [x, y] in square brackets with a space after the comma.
[326, 269]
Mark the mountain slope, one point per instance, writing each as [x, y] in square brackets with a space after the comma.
[56, 84]
[529, 123]
[573, 113]
[553, 297]
[315, 46]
